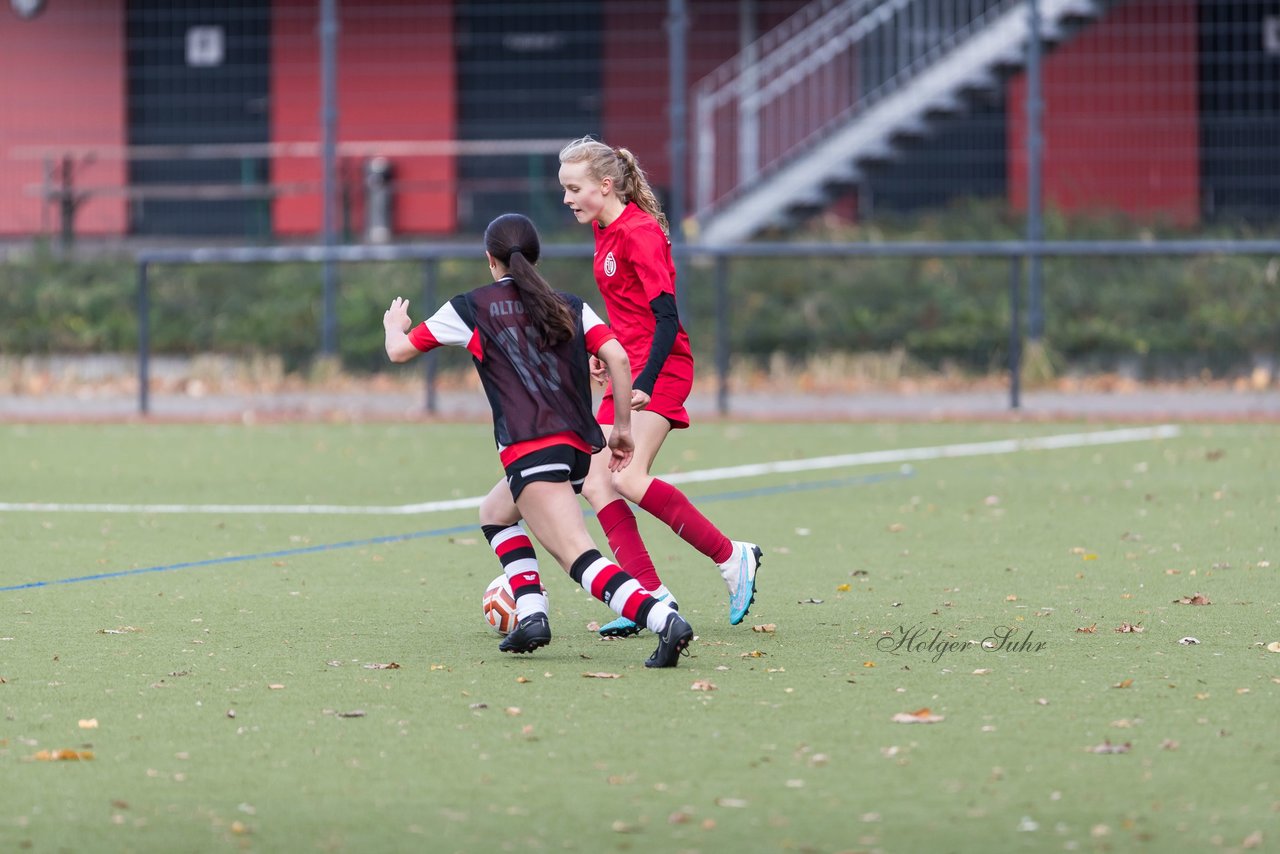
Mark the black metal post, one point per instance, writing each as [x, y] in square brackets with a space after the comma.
[1015, 333]
[67, 204]
[722, 333]
[429, 367]
[1035, 168]
[329, 167]
[678, 109]
[144, 340]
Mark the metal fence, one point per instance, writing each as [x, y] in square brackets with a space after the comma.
[1017, 252]
[144, 120]
[369, 126]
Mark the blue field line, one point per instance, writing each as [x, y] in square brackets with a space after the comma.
[735, 495]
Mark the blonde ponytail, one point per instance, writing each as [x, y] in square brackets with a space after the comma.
[635, 186]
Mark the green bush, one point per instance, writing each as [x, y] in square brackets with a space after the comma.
[1208, 311]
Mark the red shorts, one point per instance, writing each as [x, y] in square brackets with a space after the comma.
[669, 394]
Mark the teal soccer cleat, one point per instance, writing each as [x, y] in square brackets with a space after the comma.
[739, 573]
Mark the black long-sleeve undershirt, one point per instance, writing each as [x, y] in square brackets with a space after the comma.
[667, 324]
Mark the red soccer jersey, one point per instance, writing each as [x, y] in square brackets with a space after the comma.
[632, 267]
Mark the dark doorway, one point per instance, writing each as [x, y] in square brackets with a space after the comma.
[198, 74]
[527, 70]
[1240, 109]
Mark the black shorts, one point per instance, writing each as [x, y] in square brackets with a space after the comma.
[557, 464]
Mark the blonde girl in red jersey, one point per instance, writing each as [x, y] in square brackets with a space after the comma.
[606, 188]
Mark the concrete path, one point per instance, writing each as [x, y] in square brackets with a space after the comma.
[1140, 404]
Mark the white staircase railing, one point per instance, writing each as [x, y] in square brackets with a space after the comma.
[833, 65]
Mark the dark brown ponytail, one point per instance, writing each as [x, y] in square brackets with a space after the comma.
[512, 240]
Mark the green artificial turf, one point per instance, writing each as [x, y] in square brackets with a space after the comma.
[227, 658]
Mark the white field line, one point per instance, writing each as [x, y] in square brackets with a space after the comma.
[902, 455]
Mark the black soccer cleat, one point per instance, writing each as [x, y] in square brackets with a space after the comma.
[672, 641]
[529, 634]
[624, 628]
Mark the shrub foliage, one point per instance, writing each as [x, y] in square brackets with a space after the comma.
[1170, 314]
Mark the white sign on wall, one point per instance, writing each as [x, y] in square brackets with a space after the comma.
[1271, 35]
[205, 47]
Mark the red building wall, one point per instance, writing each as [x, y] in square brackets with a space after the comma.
[636, 46]
[1121, 124]
[62, 90]
[396, 81]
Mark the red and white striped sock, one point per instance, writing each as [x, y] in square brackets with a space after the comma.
[520, 562]
[606, 581]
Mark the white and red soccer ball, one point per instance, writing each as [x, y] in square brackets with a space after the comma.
[499, 605]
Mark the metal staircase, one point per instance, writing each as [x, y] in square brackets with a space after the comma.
[834, 87]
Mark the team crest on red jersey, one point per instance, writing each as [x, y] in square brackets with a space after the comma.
[610, 264]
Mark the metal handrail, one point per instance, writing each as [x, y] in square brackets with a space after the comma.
[822, 42]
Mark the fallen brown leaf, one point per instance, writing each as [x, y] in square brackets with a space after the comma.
[1195, 599]
[1108, 747]
[919, 716]
[703, 685]
[1088, 630]
[1125, 684]
[1274, 646]
[767, 627]
[1130, 628]
[375, 666]
[63, 755]
[603, 675]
